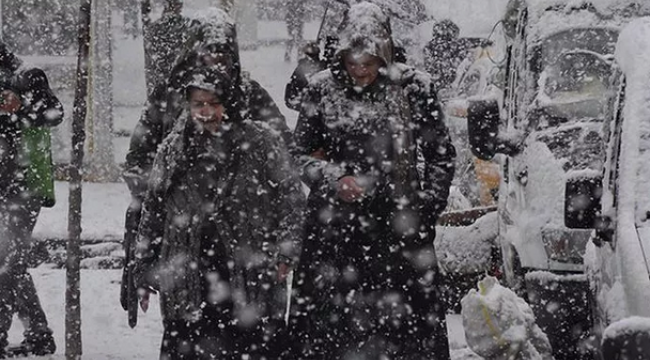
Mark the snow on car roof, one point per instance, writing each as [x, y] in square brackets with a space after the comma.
[606, 7]
[608, 14]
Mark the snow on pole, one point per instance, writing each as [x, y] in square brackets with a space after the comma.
[99, 125]
[73, 348]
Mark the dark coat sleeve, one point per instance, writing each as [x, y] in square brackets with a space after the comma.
[263, 108]
[147, 135]
[309, 137]
[40, 107]
[149, 241]
[290, 202]
[297, 85]
[435, 144]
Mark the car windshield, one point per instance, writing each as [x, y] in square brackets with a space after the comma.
[574, 71]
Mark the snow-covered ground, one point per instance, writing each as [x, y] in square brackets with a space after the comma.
[105, 332]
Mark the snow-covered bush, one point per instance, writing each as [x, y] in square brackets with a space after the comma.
[499, 325]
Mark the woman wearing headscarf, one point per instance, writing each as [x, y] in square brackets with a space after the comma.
[221, 226]
[374, 150]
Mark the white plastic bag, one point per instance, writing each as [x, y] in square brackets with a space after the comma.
[499, 325]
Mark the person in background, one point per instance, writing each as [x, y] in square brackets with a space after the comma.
[367, 285]
[28, 108]
[444, 53]
[221, 229]
[162, 40]
[295, 12]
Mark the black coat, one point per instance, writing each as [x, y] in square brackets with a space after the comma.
[442, 56]
[166, 102]
[362, 265]
[229, 205]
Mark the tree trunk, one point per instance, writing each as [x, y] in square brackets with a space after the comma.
[73, 347]
[99, 126]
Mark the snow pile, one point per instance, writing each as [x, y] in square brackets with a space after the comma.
[628, 326]
[499, 325]
[467, 249]
[608, 290]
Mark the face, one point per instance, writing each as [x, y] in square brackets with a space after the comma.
[363, 68]
[206, 109]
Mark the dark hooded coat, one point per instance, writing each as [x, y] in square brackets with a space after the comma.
[444, 53]
[162, 39]
[366, 280]
[215, 30]
[221, 211]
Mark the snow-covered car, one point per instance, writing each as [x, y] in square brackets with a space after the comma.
[560, 88]
[618, 255]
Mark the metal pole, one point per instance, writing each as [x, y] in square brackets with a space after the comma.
[73, 346]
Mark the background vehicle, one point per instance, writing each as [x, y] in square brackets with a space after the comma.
[560, 89]
[617, 260]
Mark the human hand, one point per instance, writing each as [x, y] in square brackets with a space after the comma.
[349, 190]
[143, 295]
[283, 271]
[9, 101]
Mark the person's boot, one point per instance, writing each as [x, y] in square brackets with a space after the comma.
[42, 344]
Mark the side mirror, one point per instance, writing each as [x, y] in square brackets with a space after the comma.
[582, 202]
[483, 128]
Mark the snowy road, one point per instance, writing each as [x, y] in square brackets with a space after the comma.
[105, 333]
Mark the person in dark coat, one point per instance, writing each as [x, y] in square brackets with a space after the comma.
[309, 63]
[444, 53]
[212, 42]
[367, 281]
[27, 108]
[222, 225]
[295, 12]
[162, 39]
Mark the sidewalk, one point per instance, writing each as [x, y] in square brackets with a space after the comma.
[102, 213]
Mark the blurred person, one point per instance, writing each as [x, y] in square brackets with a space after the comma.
[444, 53]
[211, 43]
[221, 229]
[367, 285]
[311, 62]
[28, 108]
[295, 12]
[162, 39]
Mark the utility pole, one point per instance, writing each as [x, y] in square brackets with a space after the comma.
[73, 348]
